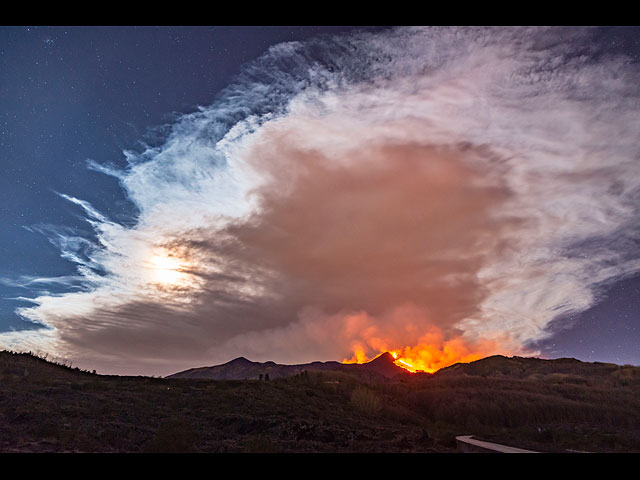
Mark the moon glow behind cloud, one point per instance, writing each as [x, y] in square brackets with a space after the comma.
[445, 193]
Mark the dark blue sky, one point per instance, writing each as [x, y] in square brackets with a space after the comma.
[73, 94]
[607, 332]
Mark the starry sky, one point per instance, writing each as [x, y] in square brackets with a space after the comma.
[172, 197]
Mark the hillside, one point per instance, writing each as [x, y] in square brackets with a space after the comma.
[380, 368]
[523, 367]
[543, 405]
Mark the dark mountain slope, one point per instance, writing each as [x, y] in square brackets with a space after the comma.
[524, 367]
[379, 368]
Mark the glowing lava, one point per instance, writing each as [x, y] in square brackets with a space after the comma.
[431, 356]
[402, 363]
[425, 359]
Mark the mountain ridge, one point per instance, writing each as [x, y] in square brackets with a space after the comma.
[240, 368]
[383, 367]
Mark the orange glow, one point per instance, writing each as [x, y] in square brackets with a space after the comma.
[428, 358]
[431, 353]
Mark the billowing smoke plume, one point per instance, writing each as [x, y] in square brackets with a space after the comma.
[442, 192]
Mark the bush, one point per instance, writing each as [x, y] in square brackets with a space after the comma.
[366, 400]
[174, 436]
[258, 444]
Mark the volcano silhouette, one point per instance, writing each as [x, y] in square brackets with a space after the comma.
[383, 366]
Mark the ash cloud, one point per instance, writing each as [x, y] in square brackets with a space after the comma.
[461, 184]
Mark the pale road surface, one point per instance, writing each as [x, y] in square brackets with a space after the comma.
[478, 445]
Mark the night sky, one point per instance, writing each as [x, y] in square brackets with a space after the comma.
[270, 173]
[70, 94]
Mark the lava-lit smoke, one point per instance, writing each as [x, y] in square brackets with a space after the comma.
[416, 343]
[429, 353]
[440, 193]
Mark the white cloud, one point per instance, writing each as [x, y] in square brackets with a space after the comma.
[530, 147]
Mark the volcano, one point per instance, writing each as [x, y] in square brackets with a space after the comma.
[382, 367]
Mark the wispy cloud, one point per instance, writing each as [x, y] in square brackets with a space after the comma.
[458, 186]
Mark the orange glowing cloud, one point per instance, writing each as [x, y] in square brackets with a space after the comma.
[429, 351]
[432, 352]
[442, 194]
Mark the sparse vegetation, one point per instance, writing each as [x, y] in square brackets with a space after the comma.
[545, 406]
[365, 400]
[173, 436]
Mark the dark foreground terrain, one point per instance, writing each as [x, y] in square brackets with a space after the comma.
[544, 405]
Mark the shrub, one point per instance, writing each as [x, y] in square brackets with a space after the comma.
[258, 444]
[366, 400]
[174, 436]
